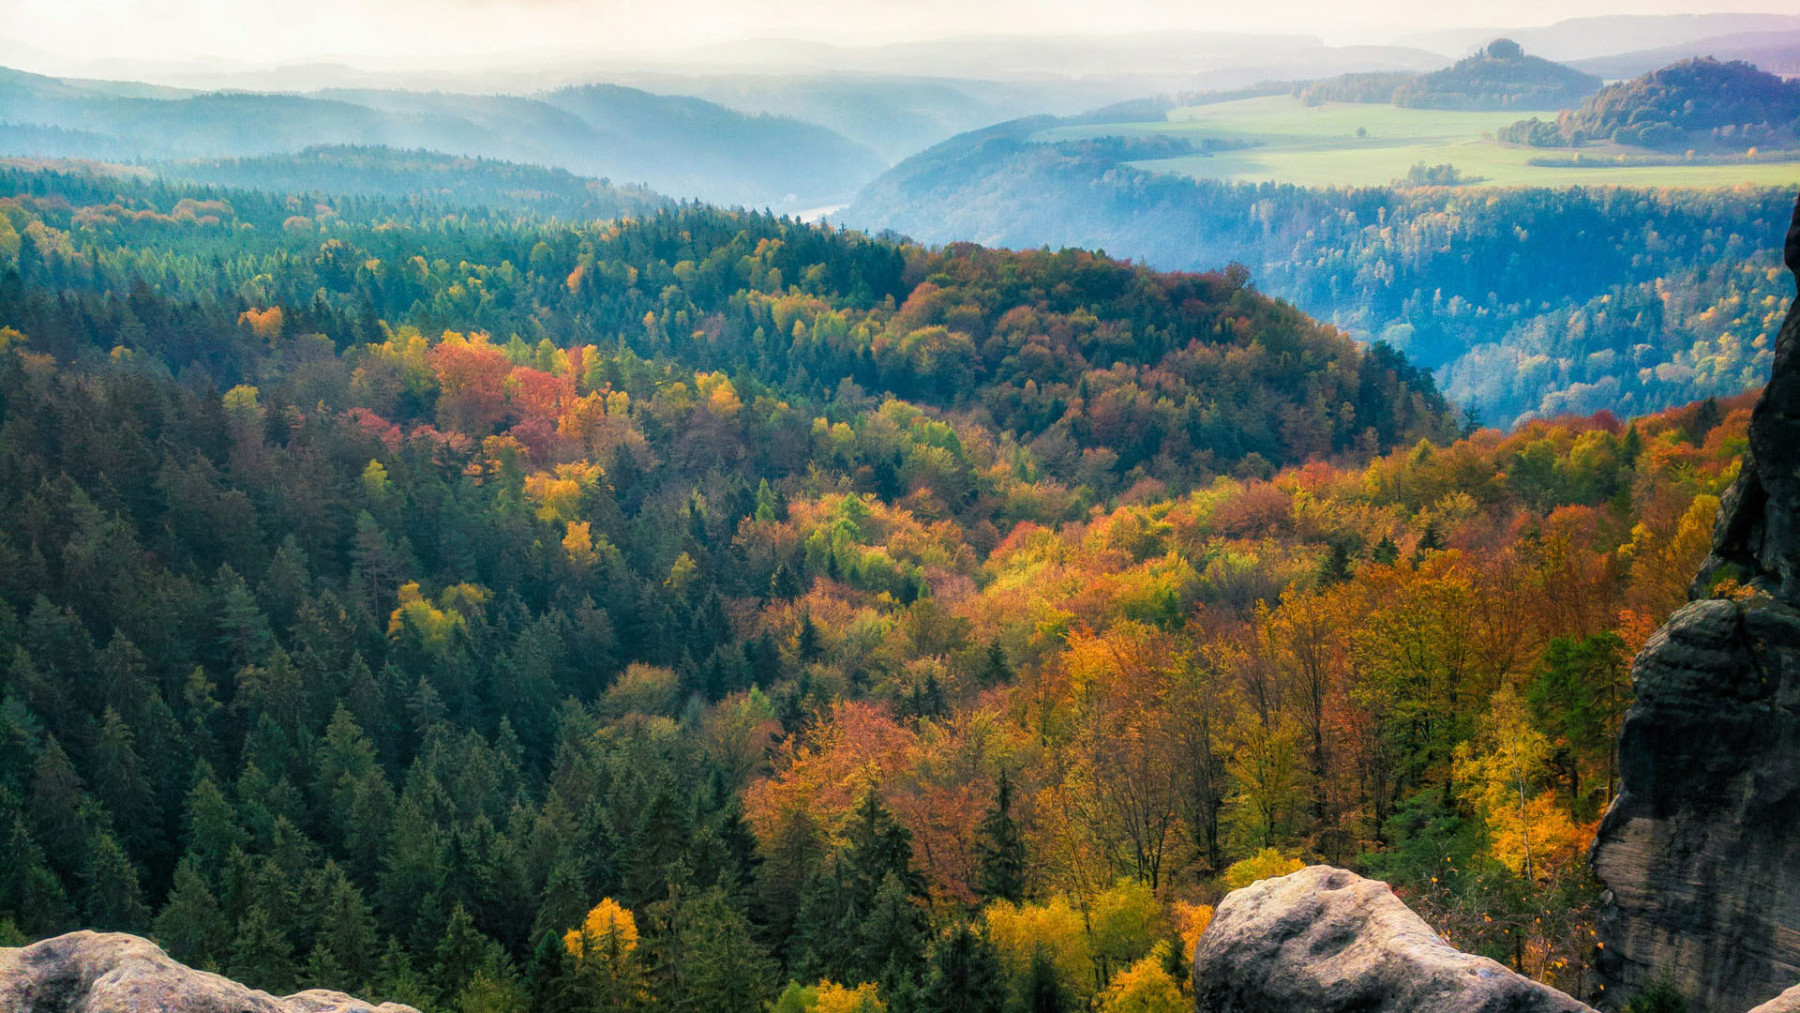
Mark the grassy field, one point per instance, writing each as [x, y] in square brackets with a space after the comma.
[1345, 144]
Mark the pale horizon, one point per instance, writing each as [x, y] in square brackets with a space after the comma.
[493, 33]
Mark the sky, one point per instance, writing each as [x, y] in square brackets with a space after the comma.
[267, 32]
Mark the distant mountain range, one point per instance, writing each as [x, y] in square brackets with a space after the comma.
[1579, 39]
[681, 146]
[1777, 52]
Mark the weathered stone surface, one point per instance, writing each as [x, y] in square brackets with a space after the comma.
[1700, 852]
[111, 972]
[1325, 940]
[1786, 1002]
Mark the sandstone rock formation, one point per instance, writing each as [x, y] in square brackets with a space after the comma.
[1325, 940]
[1700, 852]
[1786, 1002]
[110, 972]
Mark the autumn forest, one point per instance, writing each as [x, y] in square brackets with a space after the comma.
[708, 611]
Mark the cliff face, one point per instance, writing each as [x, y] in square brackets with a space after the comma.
[1700, 852]
[1326, 940]
[110, 972]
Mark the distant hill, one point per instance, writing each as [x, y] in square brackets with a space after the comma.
[1528, 300]
[426, 175]
[1501, 76]
[1375, 88]
[1775, 52]
[1700, 102]
[681, 146]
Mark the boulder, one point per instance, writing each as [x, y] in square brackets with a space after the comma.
[111, 972]
[1786, 1002]
[1325, 940]
[1700, 852]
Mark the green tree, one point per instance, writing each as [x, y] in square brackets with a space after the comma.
[262, 955]
[190, 926]
[963, 975]
[1000, 849]
[111, 897]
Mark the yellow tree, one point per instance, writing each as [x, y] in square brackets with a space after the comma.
[607, 968]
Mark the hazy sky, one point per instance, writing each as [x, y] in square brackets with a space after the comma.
[269, 31]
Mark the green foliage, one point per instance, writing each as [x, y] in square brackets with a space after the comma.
[1696, 102]
[963, 975]
[1501, 76]
[1660, 997]
[1000, 849]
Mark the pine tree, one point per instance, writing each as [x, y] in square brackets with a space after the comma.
[1042, 990]
[1385, 553]
[121, 785]
[1000, 849]
[706, 956]
[877, 845]
[463, 952]
[964, 975]
[30, 893]
[262, 956]
[111, 897]
[794, 861]
[243, 630]
[345, 937]
[995, 669]
[548, 977]
[658, 840]
[59, 804]
[190, 926]
[890, 936]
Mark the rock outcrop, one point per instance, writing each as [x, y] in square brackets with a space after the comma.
[1786, 1002]
[1700, 852]
[1326, 940]
[110, 972]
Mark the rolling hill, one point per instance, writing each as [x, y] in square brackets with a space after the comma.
[1527, 300]
[681, 146]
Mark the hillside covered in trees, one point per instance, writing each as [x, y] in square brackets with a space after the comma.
[1527, 302]
[1500, 76]
[1700, 102]
[702, 610]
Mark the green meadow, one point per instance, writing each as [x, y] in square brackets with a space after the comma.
[1354, 144]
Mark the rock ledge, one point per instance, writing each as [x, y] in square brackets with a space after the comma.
[111, 972]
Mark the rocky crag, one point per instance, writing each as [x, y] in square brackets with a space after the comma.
[1326, 940]
[110, 972]
[1700, 852]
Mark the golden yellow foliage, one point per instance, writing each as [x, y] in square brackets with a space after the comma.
[1265, 864]
[610, 927]
[1528, 831]
[835, 998]
[1017, 931]
[1190, 921]
[1145, 987]
[579, 544]
[264, 323]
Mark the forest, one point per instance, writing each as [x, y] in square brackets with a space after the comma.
[1526, 302]
[1702, 103]
[706, 611]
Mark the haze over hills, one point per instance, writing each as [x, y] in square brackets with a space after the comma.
[1777, 52]
[681, 146]
[1586, 38]
[1558, 290]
